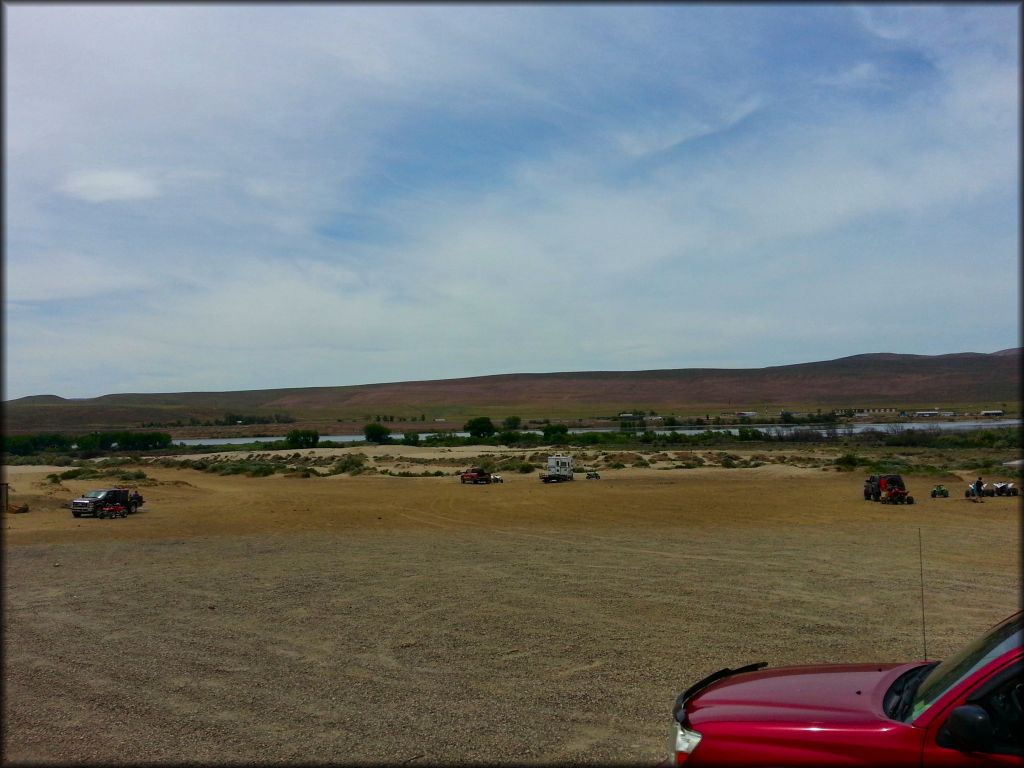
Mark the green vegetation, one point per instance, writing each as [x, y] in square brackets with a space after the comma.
[27, 445]
[377, 433]
[229, 420]
[97, 471]
[302, 438]
[481, 426]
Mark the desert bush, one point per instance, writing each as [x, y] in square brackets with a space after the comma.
[848, 462]
[352, 463]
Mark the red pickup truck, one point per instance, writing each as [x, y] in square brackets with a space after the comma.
[965, 711]
[476, 475]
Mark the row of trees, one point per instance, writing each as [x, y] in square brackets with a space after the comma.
[27, 445]
[482, 430]
[229, 419]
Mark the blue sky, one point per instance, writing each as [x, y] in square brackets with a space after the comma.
[207, 198]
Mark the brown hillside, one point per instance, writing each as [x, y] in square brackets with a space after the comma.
[869, 380]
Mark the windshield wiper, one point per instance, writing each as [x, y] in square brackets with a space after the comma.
[906, 696]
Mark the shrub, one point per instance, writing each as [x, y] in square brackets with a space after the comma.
[352, 463]
[847, 462]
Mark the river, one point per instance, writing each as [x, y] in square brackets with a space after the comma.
[770, 428]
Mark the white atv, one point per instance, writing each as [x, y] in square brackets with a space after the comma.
[970, 493]
[1005, 489]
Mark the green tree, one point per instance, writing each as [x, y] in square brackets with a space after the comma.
[555, 433]
[511, 423]
[481, 426]
[302, 438]
[377, 433]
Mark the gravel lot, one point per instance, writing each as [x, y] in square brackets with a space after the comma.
[415, 620]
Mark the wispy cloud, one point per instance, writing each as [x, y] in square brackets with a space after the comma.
[102, 186]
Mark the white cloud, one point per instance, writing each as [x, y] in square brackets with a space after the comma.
[102, 186]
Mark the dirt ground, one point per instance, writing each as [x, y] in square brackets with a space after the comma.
[377, 619]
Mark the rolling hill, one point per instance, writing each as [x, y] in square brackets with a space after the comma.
[862, 381]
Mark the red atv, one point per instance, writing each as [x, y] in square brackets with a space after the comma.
[888, 489]
[112, 510]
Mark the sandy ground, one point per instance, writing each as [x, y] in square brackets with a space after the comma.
[416, 620]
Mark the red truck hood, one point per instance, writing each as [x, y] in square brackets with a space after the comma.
[827, 694]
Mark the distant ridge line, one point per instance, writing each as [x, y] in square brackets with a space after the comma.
[876, 379]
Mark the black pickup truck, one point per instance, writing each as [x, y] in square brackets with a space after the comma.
[107, 502]
[888, 489]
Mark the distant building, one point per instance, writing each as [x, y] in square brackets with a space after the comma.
[994, 412]
[926, 414]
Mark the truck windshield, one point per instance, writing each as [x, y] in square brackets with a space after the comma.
[961, 665]
[94, 495]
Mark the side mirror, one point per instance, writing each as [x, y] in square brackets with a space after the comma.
[968, 729]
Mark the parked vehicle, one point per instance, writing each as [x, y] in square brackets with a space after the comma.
[559, 469]
[940, 491]
[475, 475]
[967, 710]
[1005, 489]
[971, 492]
[497, 479]
[593, 476]
[107, 502]
[888, 489]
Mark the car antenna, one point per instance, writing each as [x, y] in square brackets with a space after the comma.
[920, 559]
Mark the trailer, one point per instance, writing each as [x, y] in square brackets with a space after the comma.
[559, 469]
